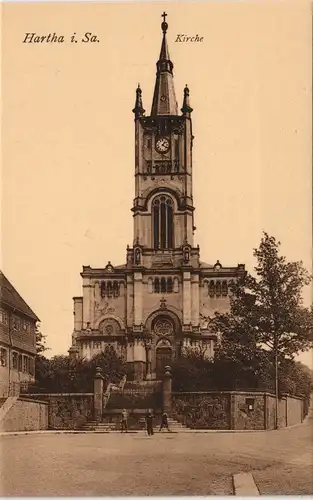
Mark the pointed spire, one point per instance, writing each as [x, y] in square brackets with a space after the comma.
[186, 109]
[164, 99]
[138, 109]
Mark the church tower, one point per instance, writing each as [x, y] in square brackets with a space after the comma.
[163, 205]
[160, 301]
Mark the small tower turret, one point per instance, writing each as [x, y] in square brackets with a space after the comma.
[138, 109]
[186, 109]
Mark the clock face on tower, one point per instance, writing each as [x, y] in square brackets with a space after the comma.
[162, 145]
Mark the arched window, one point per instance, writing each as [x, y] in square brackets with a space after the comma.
[116, 290]
[162, 215]
[163, 285]
[157, 285]
[103, 289]
[212, 288]
[224, 288]
[218, 288]
[109, 289]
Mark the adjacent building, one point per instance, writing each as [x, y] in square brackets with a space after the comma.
[17, 340]
[160, 300]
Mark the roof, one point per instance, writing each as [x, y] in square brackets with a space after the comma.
[10, 297]
[204, 264]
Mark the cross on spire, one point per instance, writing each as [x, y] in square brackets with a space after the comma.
[164, 25]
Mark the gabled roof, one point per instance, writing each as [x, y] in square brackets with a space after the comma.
[10, 297]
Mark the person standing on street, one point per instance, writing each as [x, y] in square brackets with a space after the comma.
[124, 421]
[164, 422]
[149, 423]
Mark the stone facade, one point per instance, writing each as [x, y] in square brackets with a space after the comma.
[160, 299]
[17, 340]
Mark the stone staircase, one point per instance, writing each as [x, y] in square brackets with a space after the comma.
[104, 427]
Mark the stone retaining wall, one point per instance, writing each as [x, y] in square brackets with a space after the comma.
[25, 415]
[235, 410]
[68, 411]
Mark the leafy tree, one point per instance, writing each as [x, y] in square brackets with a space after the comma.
[266, 310]
[63, 374]
[40, 342]
[267, 324]
[192, 371]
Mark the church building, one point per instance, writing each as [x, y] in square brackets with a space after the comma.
[158, 302]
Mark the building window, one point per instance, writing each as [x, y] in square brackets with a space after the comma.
[250, 403]
[157, 285]
[15, 360]
[4, 317]
[3, 357]
[110, 289]
[162, 214]
[116, 291]
[224, 288]
[163, 285]
[218, 288]
[31, 366]
[16, 323]
[25, 358]
[20, 362]
[212, 288]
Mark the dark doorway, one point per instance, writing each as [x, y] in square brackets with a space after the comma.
[163, 359]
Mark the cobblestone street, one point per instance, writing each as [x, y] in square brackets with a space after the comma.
[115, 464]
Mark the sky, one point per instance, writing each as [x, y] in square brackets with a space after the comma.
[68, 137]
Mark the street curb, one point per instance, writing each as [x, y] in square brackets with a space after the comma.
[53, 433]
[181, 431]
[244, 485]
[184, 431]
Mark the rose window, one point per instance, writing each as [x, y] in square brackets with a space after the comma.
[163, 327]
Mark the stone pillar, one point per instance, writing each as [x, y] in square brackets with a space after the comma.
[129, 300]
[186, 298]
[98, 395]
[78, 313]
[149, 362]
[87, 301]
[138, 298]
[139, 360]
[167, 391]
[265, 412]
[195, 301]
[73, 352]
[232, 411]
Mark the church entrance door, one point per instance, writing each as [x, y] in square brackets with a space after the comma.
[163, 359]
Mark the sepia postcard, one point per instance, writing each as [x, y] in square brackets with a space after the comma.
[156, 321]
